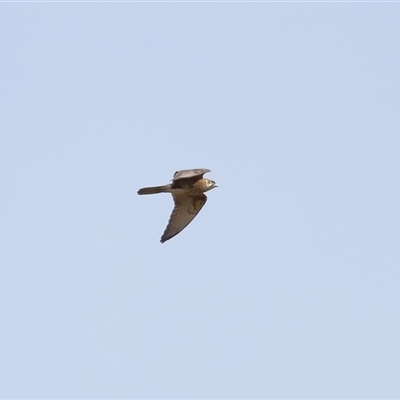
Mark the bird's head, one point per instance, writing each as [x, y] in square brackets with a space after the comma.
[210, 184]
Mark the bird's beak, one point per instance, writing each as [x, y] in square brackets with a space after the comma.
[215, 185]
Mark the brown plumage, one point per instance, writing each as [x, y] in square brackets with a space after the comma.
[187, 189]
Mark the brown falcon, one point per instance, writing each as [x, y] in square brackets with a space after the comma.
[187, 189]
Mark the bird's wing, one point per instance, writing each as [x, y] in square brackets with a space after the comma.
[186, 208]
[190, 173]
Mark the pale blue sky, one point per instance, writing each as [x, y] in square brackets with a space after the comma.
[286, 284]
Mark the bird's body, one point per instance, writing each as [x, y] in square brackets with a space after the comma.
[187, 189]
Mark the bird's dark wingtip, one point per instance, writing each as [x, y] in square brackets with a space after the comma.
[163, 239]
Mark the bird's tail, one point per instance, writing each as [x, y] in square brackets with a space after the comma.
[155, 189]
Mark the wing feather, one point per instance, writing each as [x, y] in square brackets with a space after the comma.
[190, 173]
[185, 209]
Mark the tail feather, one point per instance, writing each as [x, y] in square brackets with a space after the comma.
[154, 189]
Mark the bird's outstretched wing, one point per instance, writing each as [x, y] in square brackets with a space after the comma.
[186, 208]
[190, 173]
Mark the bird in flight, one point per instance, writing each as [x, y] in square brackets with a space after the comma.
[187, 189]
